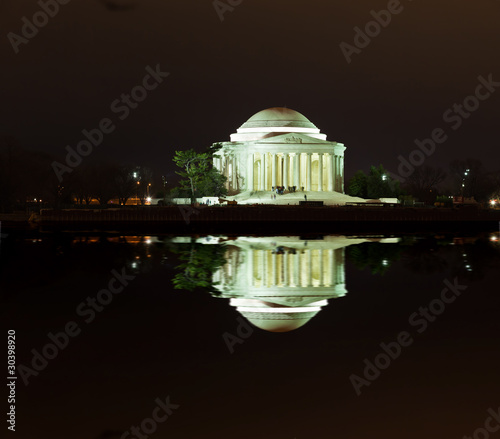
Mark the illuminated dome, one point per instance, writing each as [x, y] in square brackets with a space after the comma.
[274, 122]
[278, 117]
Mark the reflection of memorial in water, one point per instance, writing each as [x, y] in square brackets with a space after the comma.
[280, 283]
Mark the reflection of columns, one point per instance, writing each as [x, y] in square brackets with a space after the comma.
[265, 275]
[309, 268]
[320, 172]
[330, 172]
[260, 253]
[249, 178]
[338, 266]
[273, 270]
[262, 171]
[296, 165]
[331, 260]
[285, 170]
[308, 171]
[320, 267]
[250, 267]
[273, 169]
[296, 268]
[285, 271]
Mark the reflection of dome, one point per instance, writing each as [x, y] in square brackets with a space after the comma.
[279, 283]
[273, 317]
[278, 117]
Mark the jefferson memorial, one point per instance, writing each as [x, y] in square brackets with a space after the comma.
[281, 147]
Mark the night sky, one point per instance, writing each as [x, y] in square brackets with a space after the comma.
[263, 54]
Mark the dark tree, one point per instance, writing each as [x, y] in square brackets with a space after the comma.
[199, 263]
[423, 183]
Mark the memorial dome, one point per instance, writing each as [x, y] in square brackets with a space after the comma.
[278, 117]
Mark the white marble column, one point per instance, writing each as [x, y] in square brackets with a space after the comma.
[342, 174]
[226, 170]
[249, 178]
[235, 173]
[274, 169]
[337, 173]
[330, 173]
[285, 170]
[231, 171]
[296, 165]
[320, 172]
[308, 171]
[262, 171]
[267, 160]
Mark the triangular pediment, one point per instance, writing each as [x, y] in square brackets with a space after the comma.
[291, 138]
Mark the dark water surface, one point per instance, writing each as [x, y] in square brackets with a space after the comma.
[320, 308]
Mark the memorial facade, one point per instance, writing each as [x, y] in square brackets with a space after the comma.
[280, 147]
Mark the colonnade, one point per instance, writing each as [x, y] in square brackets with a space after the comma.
[265, 170]
[299, 268]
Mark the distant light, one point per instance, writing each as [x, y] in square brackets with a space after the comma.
[493, 202]
[385, 262]
[149, 199]
[384, 177]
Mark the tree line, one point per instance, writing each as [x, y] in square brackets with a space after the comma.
[467, 178]
[27, 180]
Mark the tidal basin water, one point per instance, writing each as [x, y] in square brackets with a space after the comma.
[276, 337]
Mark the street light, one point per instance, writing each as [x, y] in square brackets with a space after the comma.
[137, 194]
